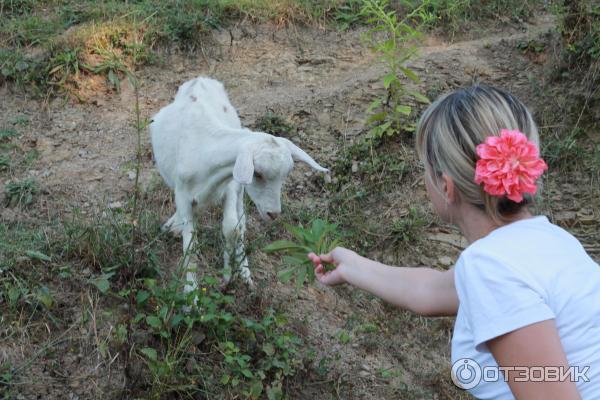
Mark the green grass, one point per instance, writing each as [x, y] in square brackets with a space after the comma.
[51, 45]
[274, 124]
[7, 133]
[20, 193]
[457, 16]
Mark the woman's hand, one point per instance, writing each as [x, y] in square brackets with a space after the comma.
[340, 257]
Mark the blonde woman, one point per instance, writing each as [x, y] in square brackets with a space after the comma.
[525, 293]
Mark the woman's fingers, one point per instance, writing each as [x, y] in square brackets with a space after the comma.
[327, 258]
[314, 258]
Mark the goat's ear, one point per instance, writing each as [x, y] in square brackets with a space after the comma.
[300, 155]
[243, 170]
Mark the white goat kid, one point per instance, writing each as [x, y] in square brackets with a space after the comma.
[205, 155]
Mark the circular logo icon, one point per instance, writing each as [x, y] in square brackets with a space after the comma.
[466, 373]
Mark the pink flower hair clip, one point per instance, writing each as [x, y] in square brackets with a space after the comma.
[509, 165]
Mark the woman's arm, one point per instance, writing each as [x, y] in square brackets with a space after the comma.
[535, 345]
[425, 291]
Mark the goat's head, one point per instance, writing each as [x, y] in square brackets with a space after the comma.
[262, 168]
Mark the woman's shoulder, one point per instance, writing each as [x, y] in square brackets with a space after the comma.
[529, 247]
[523, 238]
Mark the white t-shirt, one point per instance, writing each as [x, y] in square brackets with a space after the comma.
[526, 272]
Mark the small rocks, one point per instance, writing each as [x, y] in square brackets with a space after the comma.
[445, 261]
[115, 204]
[566, 218]
[197, 338]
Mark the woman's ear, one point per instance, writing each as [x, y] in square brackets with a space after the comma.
[449, 189]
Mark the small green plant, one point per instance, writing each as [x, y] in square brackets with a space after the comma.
[531, 46]
[7, 133]
[252, 356]
[22, 120]
[274, 124]
[112, 65]
[393, 40]
[407, 229]
[562, 151]
[320, 238]
[5, 162]
[348, 14]
[20, 193]
[64, 67]
[454, 16]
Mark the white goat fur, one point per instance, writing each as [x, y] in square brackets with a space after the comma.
[204, 155]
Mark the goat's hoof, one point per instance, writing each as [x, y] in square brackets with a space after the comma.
[176, 231]
[245, 275]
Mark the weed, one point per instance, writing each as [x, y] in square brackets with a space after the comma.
[389, 114]
[104, 243]
[457, 15]
[7, 133]
[407, 229]
[20, 193]
[348, 14]
[22, 120]
[531, 46]
[5, 162]
[66, 35]
[64, 67]
[320, 238]
[255, 356]
[562, 151]
[274, 124]
[375, 169]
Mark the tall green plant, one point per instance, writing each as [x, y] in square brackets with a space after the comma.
[320, 238]
[393, 40]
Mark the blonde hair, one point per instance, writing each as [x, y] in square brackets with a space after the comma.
[450, 129]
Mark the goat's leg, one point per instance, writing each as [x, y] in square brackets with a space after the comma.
[244, 270]
[185, 215]
[173, 224]
[234, 226]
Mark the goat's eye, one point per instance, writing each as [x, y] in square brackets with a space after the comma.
[258, 175]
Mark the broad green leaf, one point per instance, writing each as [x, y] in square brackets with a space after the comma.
[153, 321]
[403, 109]
[419, 97]
[247, 373]
[388, 79]
[101, 283]
[256, 389]
[36, 255]
[380, 116]
[141, 297]
[176, 320]
[286, 274]
[150, 353]
[301, 276]
[43, 295]
[295, 260]
[13, 295]
[268, 349]
[410, 74]
[274, 393]
[282, 245]
[376, 103]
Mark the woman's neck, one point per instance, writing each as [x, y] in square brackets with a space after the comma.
[476, 224]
